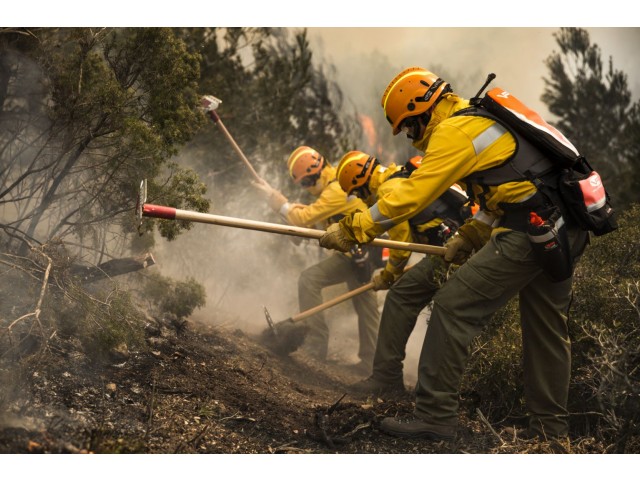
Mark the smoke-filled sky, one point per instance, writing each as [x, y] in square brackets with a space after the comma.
[515, 54]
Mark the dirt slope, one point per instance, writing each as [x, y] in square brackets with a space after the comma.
[211, 391]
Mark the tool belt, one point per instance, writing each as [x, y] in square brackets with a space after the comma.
[516, 216]
[547, 236]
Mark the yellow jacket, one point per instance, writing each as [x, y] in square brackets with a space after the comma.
[331, 201]
[454, 147]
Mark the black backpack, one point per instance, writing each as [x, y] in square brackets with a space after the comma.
[579, 185]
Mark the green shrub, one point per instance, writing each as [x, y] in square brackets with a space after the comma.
[178, 298]
[605, 327]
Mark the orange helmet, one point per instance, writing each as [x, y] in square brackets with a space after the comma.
[354, 170]
[414, 91]
[305, 162]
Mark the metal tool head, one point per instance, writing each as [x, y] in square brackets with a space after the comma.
[142, 198]
[270, 321]
[284, 337]
[210, 103]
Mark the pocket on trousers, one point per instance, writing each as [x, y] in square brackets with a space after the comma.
[469, 295]
[482, 286]
[514, 246]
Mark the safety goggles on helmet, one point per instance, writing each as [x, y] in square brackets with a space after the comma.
[354, 170]
[412, 92]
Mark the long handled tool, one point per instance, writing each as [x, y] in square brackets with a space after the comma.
[285, 337]
[170, 213]
[210, 104]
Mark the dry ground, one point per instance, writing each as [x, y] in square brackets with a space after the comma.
[211, 390]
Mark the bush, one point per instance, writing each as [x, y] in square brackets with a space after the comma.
[172, 297]
[605, 328]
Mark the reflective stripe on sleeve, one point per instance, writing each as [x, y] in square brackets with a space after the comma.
[284, 209]
[380, 219]
[487, 137]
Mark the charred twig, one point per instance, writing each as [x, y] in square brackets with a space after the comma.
[238, 416]
[321, 423]
[150, 409]
[335, 405]
[196, 439]
[43, 290]
[491, 429]
[362, 426]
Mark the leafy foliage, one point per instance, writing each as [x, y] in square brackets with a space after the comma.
[178, 298]
[606, 324]
[115, 106]
[493, 382]
[594, 109]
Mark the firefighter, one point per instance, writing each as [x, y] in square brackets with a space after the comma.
[362, 175]
[460, 148]
[311, 171]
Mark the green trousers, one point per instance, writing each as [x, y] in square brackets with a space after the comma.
[403, 303]
[335, 269]
[503, 268]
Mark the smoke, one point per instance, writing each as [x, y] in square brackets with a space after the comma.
[244, 271]
[463, 56]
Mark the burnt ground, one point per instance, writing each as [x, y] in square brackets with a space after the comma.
[210, 390]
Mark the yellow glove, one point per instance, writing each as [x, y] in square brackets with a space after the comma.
[384, 280]
[335, 238]
[274, 198]
[470, 237]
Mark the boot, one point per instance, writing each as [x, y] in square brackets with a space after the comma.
[373, 386]
[414, 427]
[361, 368]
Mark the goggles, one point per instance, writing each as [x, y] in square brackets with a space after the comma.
[410, 126]
[309, 180]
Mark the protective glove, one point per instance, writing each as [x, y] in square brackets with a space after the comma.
[470, 237]
[335, 238]
[384, 280]
[274, 198]
[458, 249]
